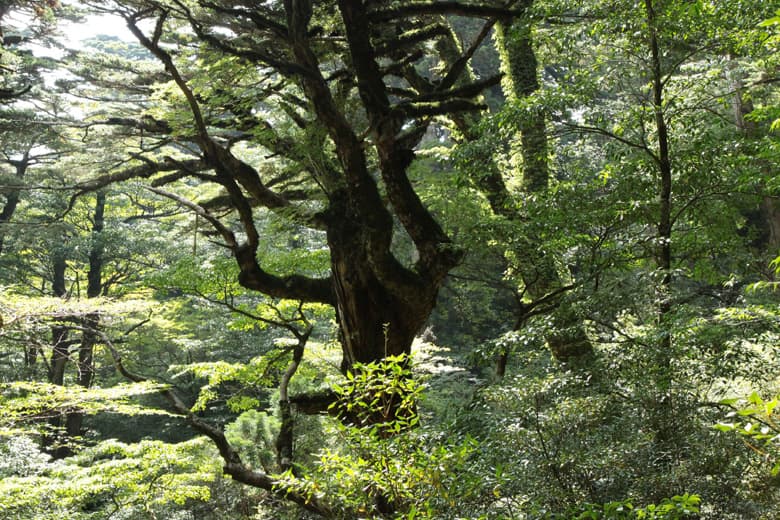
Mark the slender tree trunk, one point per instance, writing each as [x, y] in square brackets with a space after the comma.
[664, 415]
[502, 359]
[12, 199]
[31, 361]
[90, 322]
[285, 439]
[59, 355]
[742, 106]
[770, 214]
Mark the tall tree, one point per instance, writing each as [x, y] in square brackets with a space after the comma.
[657, 125]
[91, 321]
[544, 276]
[328, 76]
[544, 280]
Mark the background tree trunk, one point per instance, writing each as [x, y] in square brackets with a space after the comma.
[663, 416]
[91, 322]
[12, 196]
[542, 276]
[60, 354]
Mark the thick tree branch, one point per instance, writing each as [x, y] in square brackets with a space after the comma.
[412, 9]
[436, 255]
[252, 276]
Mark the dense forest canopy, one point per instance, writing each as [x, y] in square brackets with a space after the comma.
[389, 259]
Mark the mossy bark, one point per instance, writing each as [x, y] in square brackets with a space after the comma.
[542, 276]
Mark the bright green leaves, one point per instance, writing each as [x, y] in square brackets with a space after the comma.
[679, 506]
[413, 475]
[213, 277]
[139, 480]
[675, 508]
[247, 386]
[379, 397]
[245, 380]
[771, 22]
[387, 461]
[23, 404]
[758, 423]
[764, 284]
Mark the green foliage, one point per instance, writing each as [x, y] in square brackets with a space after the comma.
[675, 508]
[145, 479]
[258, 373]
[758, 423]
[549, 440]
[408, 476]
[379, 397]
[26, 403]
[386, 464]
[253, 434]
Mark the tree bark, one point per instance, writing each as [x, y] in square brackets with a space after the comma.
[91, 321]
[568, 339]
[374, 321]
[663, 415]
[12, 197]
[60, 354]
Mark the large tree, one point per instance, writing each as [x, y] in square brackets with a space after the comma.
[305, 110]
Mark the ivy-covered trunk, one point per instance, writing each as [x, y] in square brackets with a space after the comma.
[767, 216]
[542, 276]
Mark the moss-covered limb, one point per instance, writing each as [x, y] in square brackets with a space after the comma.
[417, 109]
[490, 181]
[398, 45]
[542, 280]
[141, 171]
[468, 90]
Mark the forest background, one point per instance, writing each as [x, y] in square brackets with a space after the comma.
[389, 259]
